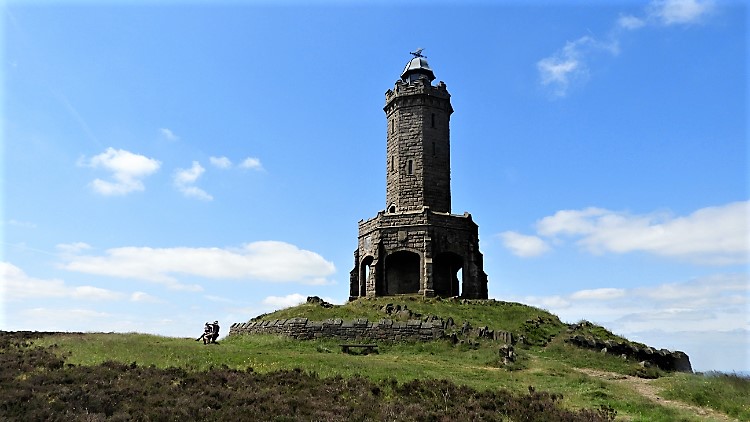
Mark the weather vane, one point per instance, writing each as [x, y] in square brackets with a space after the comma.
[417, 53]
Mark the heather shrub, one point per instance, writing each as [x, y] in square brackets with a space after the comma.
[35, 384]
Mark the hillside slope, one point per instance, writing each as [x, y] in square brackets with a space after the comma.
[274, 375]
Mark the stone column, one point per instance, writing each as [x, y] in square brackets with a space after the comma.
[354, 282]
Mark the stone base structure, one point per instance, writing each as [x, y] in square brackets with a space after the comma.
[418, 252]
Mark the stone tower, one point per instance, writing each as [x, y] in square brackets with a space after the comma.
[416, 245]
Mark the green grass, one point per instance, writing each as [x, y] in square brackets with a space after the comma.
[727, 393]
[476, 367]
[576, 357]
[546, 365]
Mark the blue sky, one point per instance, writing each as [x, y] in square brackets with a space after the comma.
[166, 164]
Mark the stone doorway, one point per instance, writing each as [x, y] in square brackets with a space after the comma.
[365, 272]
[447, 271]
[402, 273]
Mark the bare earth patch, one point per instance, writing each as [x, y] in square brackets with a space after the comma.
[645, 388]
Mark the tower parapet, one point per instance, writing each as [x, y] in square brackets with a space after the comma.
[419, 87]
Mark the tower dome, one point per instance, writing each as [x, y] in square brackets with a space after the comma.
[416, 68]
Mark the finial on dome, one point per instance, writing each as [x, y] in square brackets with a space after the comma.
[417, 68]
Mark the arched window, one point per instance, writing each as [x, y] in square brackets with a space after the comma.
[410, 167]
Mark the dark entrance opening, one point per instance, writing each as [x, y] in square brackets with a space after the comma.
[365, 272]
[446, 269]
[402, 273]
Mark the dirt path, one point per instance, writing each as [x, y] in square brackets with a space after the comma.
[645, 388]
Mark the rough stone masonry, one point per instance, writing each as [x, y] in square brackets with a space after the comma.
[416, 245]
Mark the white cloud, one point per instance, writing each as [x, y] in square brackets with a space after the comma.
[251, 163]
[143, 297]
[713, 235]
[556, 302]
[184, 179]
[568, 65]
[220, 162]
[195, 192]
[280, 302]
[714, 303]
[598, 294]
[630, 22]
[523, 245]
[559, 69]
[17, 285]
[22, 224]
[220, 299]
[168, 134]
[68, 314]
[127, 170]
[271, 261]
[705, 317]
[672, 12]
[725, 351]
[72, 248]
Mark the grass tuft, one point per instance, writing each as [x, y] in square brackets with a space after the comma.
[727, 393]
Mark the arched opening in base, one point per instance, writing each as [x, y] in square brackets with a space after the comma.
[365, 272]
[447, 273]
[402, 273]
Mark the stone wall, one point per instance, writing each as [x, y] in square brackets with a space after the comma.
[648, 356]
[386, 330]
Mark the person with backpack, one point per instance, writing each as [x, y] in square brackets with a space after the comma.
[214, 332]
[206, 336]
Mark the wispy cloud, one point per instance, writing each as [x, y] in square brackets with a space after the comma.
[17, 285]
[251, 163]
[72, 248]
[710, 236]
[270, 261]
[679, 12]
[127, 171]
[717, 302]
[598, 294]
[568, 66]
[630, 22]
[524, 245]
[184, 180]
[75, 318]
[699, 316]
[279, 302]
[272, 303]
[21, 224]
[220, 162]
[143, 297]
[168, 134]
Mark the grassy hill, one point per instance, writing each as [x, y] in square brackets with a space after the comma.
[550, 380]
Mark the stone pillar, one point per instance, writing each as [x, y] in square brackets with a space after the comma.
[428, 280]
[428, 287]
[354, 290]
[374, 278]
